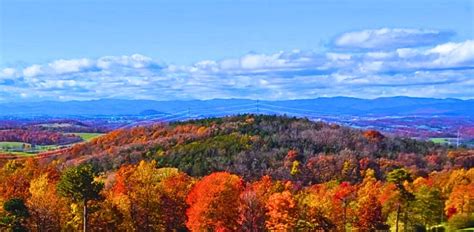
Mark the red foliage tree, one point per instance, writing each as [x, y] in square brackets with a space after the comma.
[344, 194]
[373, 136]
[214, 203]
[369, 214]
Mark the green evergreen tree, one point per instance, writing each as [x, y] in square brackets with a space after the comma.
[17, 212]
[398, 177]
[78, 184]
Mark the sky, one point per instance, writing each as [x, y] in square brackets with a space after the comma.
[273, 50]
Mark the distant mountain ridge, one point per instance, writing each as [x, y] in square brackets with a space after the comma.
[333, 106]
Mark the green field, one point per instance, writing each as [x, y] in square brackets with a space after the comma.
[87, 136]
[15, 148]
[12, 145]
[20, 153]
[441, 140]
[24, 149]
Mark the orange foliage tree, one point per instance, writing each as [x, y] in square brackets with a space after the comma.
[369, 214]
[461, 200]
[214, 203]
[373, 136]
[282, 212]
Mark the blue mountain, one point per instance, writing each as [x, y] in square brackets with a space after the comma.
[333, 106]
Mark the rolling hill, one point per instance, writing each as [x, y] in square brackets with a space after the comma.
[253, 146]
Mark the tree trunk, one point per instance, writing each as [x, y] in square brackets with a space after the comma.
[345, 216]
[405, 220]
[84, 228]
[398, 217]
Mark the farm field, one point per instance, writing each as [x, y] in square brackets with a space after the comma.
[13, 145]
[27, 149]
[19, 153]
[442, 140]
[24, 149]
[87, 136]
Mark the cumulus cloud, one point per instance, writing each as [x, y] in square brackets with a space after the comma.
[70, 66]
[133, 61]
[390, 38]
[454, 53]
[110, 63]
[7, 73]
[33, 70]
[440, 70]
[256, 63]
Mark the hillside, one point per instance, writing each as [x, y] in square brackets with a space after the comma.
[242, 173]
[253, 146]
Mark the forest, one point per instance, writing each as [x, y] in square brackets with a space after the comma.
[241, 173]
[37, 137]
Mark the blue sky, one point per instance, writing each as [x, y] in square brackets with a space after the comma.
[79, 50]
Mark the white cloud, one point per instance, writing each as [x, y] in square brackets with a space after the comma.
[454, 53]
[261, 61]
[58, 84]
[33, 70]
[441, 70]
[338, 56]
[8, 72]
[69, 66]
[389, 38]
[406, 52]
[106, 63]
[133, 61]
[255, 63]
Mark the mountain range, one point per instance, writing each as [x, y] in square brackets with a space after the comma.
[333, 106]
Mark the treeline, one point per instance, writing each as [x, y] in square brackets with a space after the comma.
[144, 197]
[83, 125]
[37, 137]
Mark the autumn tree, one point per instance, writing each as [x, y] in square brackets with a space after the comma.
[78, 184]
[399, 177]
[157, 197]
[46, 208]
[252, 212]
[314, 209]
[369, 213]
[175, 188]
[282, 212]
[108, 216]
[344, 194]
[253, 200]
[15, 178]
[373, 136]
[461, 200]
[214, 203]
[142, 191]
